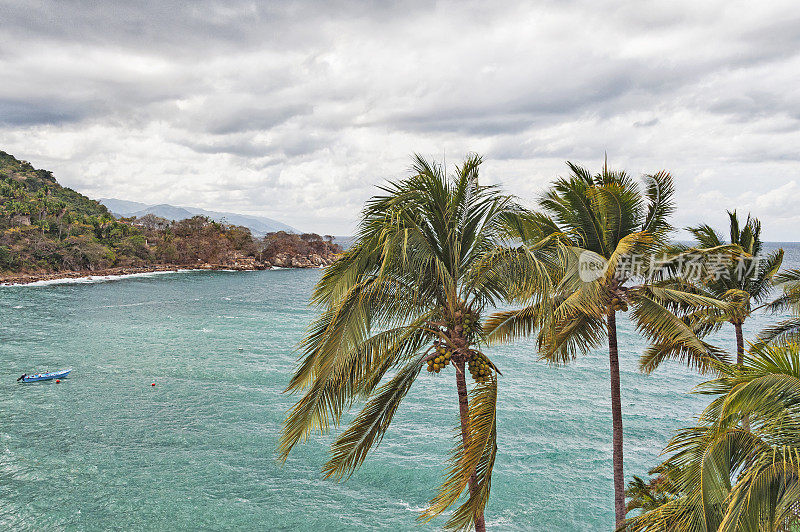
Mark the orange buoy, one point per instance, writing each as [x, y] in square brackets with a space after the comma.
[153, 384]
[57, 381]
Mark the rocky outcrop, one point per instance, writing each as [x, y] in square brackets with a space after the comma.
[309, 250]
[21, 219]
[313, 260]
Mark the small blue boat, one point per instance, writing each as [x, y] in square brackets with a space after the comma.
[34, 377]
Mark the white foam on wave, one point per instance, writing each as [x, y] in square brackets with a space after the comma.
[89, 279]
[131, 304]
[413, 508]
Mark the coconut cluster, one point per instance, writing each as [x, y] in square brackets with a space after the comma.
[469, 321]
[479, 367]
[442, 358]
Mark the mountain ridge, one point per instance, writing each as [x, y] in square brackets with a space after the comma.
[258, 225]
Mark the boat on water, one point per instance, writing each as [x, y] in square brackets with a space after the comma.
[34, 377]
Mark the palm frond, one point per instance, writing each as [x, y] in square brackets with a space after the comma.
[731, 478]
[509, 325]
[660, 194]
[367, 430]
[671, 336]
[784, 331]
[475, 458]
[351, 375]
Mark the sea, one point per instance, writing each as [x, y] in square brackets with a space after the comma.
[106, 450]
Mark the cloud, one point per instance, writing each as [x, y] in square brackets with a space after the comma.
[781, 200]
[15, 113]
[297, 110]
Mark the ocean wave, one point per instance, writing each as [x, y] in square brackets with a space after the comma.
[90, 279]
[132, 304]
[413, 508]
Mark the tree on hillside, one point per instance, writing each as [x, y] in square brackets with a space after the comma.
[151, 222]
[310, 237]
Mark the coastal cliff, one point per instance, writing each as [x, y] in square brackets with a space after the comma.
[49, 231]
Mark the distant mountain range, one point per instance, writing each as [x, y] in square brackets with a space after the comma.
[258, 225]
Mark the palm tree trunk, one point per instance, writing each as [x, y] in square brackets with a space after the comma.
[739, 360]
[616, 420]
[463, 410]
[739, 342]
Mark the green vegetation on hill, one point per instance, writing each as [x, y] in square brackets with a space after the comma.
[46, 228]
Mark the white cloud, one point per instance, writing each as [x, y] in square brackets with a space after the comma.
[781, 200]
[296, 111]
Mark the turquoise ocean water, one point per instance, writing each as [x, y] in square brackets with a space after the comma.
[106, 450]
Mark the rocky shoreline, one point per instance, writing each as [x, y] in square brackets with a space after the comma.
[238, 264]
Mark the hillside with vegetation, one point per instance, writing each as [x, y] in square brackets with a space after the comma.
[46, 229]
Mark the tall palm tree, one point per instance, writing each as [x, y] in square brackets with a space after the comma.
[731, 478]
[609, 231]
[410, 293]
[742, 279]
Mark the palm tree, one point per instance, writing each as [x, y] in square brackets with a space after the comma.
[649, 495]
[410, 293]
[787, 330]
[742, 279]
[731, 478]
[611, 230]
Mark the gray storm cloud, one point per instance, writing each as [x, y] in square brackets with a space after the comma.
[296, 110]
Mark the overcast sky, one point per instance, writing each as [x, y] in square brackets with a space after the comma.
[297, 110]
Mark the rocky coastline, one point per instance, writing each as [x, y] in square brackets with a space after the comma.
[238, 263]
